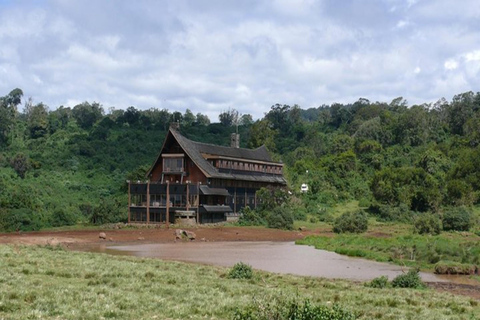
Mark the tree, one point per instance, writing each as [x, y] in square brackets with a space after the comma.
[229, 117]
[87, 114]
[20, 164]
[246, 120]
[37, 119]
[8, 112]
[131, 115]
[188, 118]
[261, 133]
[202, 120]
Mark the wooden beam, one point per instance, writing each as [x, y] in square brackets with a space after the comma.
[129, 202]
[167, 217]
[148, 201]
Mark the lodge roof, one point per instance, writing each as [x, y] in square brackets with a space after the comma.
[196, 150]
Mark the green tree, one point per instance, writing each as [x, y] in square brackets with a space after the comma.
[87, 114]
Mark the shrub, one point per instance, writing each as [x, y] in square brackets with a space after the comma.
[355, 222]
[251, 217]
[411, 279]
[400, 213]
[281, 309]
[241, 271]
[280, 218]
[450, 267]
[20, 219]
[380, 283]
[427, 223]
[457, 219]
[62, 217]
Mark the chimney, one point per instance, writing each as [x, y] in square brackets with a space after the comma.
[235, 140]
[175, 125]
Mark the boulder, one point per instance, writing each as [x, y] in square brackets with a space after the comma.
[102, 235]
[53, 242]
[178, 234]
[190, 235]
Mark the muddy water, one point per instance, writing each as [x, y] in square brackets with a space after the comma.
[279, 257]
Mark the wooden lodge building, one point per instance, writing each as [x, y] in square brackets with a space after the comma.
[203, 183]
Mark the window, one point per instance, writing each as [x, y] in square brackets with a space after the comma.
[173, 164]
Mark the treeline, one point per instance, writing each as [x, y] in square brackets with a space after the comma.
[393, 158]
[69, 165]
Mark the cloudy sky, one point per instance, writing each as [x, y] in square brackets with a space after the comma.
[211, 55]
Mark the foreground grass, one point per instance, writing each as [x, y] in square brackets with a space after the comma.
[50, 283]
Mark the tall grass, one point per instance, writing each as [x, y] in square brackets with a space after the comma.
[50, 283]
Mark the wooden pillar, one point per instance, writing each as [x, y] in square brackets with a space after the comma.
[235, 200]
[129, 202]
[167, 216]
[188, 198]
[148, 201]
[198, 203]
[245, 200]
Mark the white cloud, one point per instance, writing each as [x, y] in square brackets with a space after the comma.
[208, 56]
[451, 64]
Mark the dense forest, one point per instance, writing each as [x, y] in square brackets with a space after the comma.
[69, 165]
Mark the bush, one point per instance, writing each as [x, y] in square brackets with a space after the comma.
[281, 309]
[379, 283]
[400, 213]
[251, 217]
[241, 271]
[355, 222]
[20, 219]
[409, 280]
[62, 217]
[280, 218]
[427, 223]
[451, 267]
[457, 219]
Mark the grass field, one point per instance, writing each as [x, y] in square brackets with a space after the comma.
[51, 283]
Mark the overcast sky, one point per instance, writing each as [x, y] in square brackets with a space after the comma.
[244, 54]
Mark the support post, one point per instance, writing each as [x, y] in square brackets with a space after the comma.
[129, 202]
[235, 200]
[188, 198]
[198, 203]
[148, 201]
[167, 217]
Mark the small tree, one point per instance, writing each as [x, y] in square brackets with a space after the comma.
[280, 218]
[457, 219]
[427, 223]
[354, 222]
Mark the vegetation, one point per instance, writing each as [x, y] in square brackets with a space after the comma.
[396, 159]
[286, 310]
[353, 222]
[411, 279]
[395, 243]
[241, 271]
[50, 283]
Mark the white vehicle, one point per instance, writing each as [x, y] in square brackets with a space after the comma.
[303, 188]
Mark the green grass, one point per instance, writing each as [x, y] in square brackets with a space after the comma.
[51, 283]
[395, 244]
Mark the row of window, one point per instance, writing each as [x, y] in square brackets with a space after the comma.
[245, 166]
[160, 200]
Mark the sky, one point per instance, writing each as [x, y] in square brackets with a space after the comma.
[209, 56]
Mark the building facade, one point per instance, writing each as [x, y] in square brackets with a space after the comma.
[200, 182]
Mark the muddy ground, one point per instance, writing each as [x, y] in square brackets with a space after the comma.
[83, 239]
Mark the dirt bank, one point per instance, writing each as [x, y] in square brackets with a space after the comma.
[155, 235]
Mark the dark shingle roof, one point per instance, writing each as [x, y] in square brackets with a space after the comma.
[195, 150]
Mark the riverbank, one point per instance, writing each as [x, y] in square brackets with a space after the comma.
[54, 283]
[77, 238]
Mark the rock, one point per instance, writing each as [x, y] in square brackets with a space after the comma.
[141, 238]
[110, 239]
[178, 234]
[102, 235]
[190, 235]
[53, 242]
[203, 239]
[302, 228]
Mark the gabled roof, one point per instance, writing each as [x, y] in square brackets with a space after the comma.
[195, 150]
